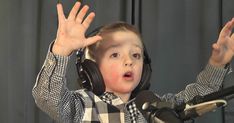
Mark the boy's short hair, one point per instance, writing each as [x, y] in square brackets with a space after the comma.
[105, 30]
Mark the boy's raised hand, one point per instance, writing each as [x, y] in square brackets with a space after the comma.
[71, 30]
[223, 49]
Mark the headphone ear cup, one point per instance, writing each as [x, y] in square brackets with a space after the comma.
[145, 80]
[93, 77]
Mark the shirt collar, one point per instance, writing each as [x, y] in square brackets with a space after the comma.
[112, 99]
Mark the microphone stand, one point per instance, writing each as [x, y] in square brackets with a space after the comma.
[221, 94]
[176, 114]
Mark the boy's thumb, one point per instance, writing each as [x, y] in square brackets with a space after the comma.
[92, 40]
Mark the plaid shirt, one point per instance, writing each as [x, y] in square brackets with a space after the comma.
[53, 97]
[108, 108]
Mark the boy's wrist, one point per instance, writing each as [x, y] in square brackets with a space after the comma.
[60, 50]
[216, 64]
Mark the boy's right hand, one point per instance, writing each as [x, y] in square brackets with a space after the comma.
[71, 30]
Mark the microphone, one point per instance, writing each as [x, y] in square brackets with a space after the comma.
[155, 110]
[152, 108]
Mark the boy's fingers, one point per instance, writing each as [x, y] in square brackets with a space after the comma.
[75, 8]
[232, 23]
[230, 26]
[215, 46]
[88, 20]
[92, 40]
[82, 13]
[61, 16]
[232, 36]
[227, 29]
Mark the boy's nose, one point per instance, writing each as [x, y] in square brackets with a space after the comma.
[128, 61]
[128, 64]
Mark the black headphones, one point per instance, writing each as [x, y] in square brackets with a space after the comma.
[91, 77]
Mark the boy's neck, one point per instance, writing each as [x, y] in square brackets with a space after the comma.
[123, 97]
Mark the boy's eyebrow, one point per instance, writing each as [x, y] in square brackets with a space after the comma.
[120, 44]
[113, 46]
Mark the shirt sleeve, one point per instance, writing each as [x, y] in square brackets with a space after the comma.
[209, 80]
[51, 94]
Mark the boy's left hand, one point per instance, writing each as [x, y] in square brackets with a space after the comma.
[223, 49]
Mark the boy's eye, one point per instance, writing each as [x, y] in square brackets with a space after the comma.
[114, 55]
[137, 55]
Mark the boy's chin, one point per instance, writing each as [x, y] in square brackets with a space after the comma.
[126, 90]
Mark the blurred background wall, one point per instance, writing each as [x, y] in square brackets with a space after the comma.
[178, 35]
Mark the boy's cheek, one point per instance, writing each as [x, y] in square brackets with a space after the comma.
[114, 73]
[114, 76]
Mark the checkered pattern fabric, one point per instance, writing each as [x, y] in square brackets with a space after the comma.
[110, 98]
[53, 97]
[134, 112]
[107, 108]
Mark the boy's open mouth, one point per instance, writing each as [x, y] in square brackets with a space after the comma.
[128, 76]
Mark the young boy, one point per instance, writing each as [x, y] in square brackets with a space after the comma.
[117, 50]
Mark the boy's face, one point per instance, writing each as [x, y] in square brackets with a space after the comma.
[120, 59]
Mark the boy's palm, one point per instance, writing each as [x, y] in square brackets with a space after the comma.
[71, 30]
[223, 49]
